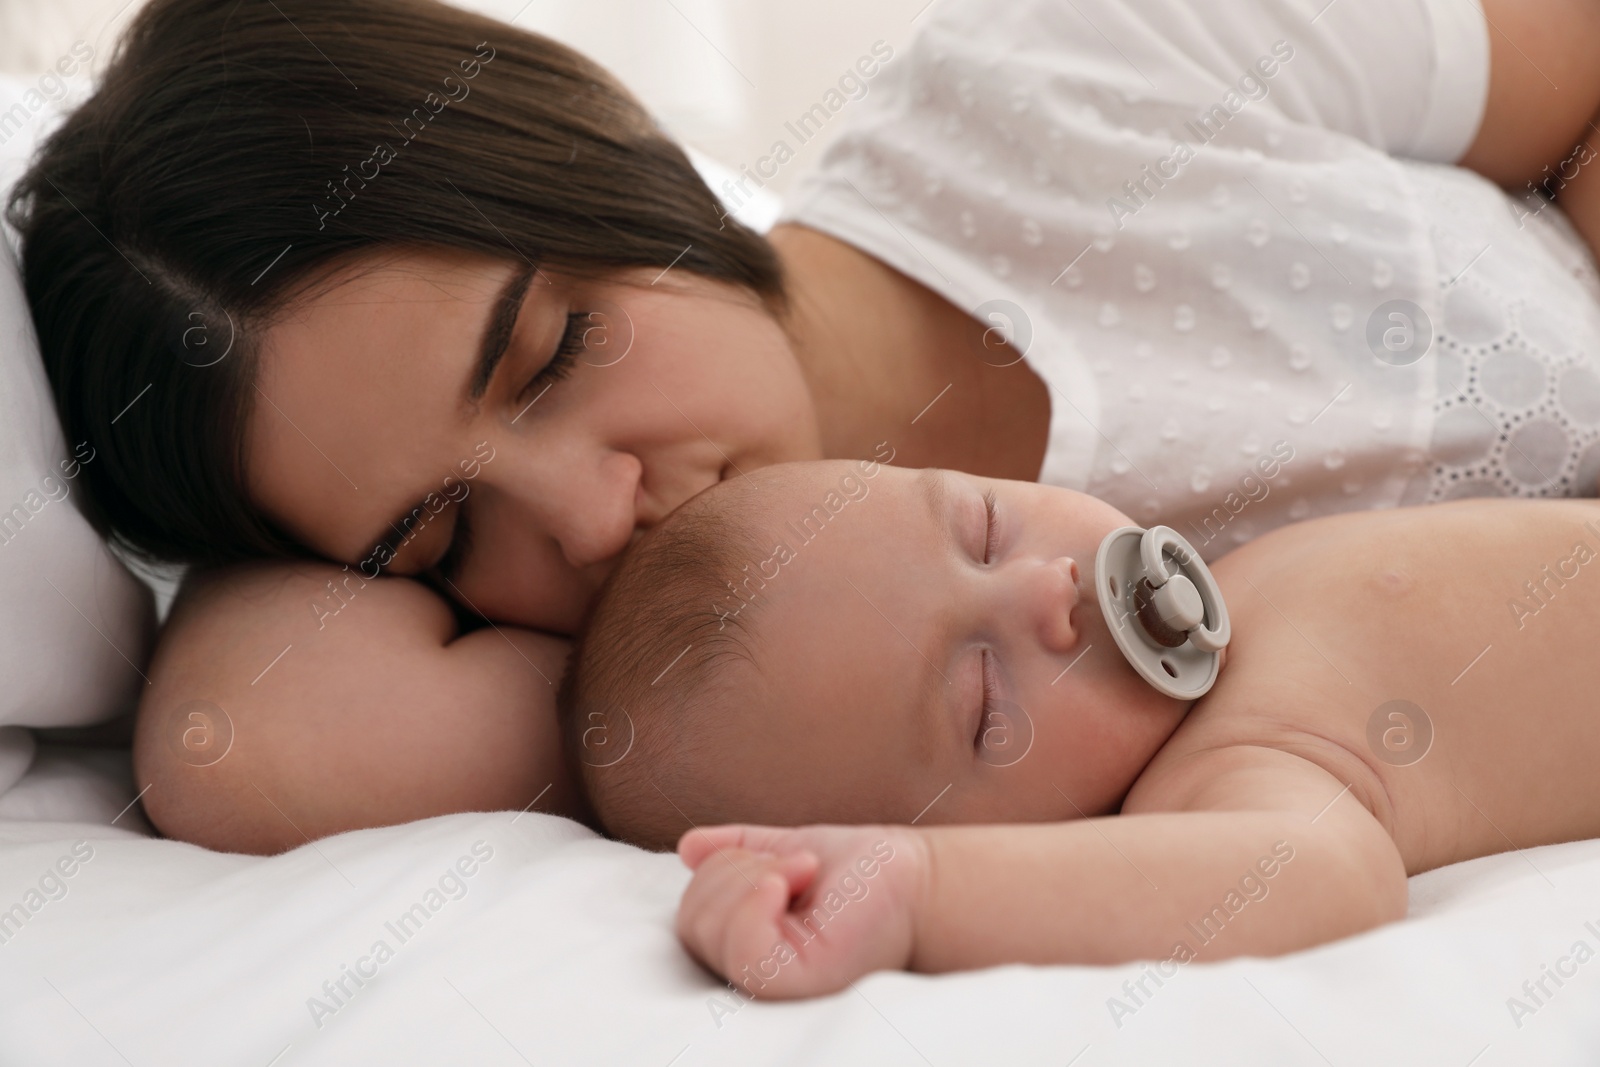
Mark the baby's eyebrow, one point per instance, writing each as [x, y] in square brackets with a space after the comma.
[937, 695]
[935, 490]
[936, 701]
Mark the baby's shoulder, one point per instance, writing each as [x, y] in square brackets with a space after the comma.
[1228, 757]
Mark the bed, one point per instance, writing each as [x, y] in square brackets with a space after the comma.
[506, 937]
[557, 948]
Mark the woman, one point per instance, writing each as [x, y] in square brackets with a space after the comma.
[398, 287]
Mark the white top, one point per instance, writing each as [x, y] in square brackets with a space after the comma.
[1194, 224]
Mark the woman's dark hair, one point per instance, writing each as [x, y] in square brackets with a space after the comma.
[238, 149]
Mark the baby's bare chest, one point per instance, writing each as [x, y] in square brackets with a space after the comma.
[1451, 658]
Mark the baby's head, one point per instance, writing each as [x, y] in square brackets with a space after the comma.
[847, 642]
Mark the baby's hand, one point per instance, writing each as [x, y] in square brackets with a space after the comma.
[798, 913]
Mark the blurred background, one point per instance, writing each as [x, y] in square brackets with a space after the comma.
[722, 75]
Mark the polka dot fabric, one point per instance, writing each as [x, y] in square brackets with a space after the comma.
[1200, 224]
[1517, 411]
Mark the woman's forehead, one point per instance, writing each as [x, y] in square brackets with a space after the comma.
[393, 271]
[362, 386]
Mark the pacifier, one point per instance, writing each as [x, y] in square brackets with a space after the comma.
[1163, 607]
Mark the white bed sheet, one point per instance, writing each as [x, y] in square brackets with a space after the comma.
[560, 950]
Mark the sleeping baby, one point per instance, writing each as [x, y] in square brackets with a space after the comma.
[888, 725]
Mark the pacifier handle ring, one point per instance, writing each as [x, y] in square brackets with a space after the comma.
[1153, 547]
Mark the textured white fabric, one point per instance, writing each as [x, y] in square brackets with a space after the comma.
[1516, 408]
[560, 950]
[1198, 316]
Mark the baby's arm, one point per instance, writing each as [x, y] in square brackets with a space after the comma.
[378, 714]
[1258, 862]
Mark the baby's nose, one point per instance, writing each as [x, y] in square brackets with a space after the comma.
[1051, 592]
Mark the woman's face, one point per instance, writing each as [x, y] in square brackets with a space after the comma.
[510, 431]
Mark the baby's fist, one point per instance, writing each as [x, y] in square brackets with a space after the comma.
[797, 913]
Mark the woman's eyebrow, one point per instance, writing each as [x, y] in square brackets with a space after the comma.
[497, 334]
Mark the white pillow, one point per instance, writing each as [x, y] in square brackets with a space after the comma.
[75, 626]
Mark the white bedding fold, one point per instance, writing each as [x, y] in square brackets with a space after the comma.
[557, 948]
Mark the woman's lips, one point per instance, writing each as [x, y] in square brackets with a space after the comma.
[649, 511]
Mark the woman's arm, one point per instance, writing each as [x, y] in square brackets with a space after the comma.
[1541, 124]
[1544, 86]
[1258, 870]
[281, 711]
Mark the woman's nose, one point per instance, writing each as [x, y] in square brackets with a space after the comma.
[597, 523]
[586, 504]
[1042, 594]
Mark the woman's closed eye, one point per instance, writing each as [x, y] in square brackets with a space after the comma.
[573, 341]
[556, 368]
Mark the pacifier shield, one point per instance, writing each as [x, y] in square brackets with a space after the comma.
[1163, 607]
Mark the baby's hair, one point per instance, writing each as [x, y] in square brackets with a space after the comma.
[643, 682]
